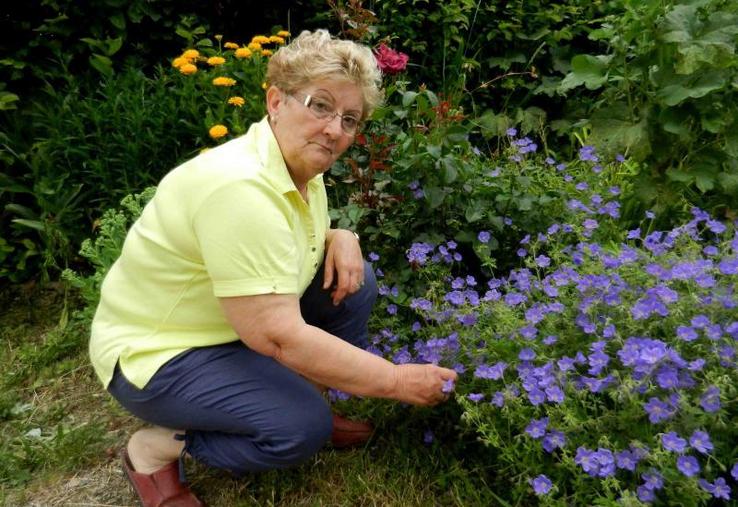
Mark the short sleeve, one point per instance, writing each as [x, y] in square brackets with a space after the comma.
[246, 237]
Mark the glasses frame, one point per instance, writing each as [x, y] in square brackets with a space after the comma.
[328, 117]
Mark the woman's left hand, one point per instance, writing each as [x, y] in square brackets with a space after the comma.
[344, 264]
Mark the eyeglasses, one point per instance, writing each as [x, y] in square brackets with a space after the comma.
[324, 110]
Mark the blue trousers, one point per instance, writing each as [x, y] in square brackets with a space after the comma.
[243, 411]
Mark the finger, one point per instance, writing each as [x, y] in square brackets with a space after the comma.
[329, 268]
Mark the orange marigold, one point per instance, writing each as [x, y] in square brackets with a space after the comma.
[243, 53]
[254, 46]
[216, 60]
[230, 45]
[224, 81]
[266, 52]
[191, 54]
[218, 131]
[187, 69]
[179, 61]
[236, 101]
[276, 39]
[283, 33]
[260, 39]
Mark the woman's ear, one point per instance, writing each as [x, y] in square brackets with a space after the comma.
[274, 99]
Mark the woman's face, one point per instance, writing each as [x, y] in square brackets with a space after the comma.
[309, 144]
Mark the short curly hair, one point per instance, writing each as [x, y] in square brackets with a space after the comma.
[313, 56]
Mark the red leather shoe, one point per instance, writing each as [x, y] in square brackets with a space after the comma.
[347, 433]
[160, 489]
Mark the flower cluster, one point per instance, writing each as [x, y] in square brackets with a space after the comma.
[608, 353]
[226, 76]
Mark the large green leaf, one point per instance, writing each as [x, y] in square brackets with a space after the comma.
[587, 70]
[613, 135]
[705, 83]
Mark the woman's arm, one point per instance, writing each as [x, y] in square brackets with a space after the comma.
[272, 325]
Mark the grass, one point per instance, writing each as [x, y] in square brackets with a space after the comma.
[60, 433]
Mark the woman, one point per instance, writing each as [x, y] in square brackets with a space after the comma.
[233, 304]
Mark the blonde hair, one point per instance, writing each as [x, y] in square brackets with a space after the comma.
[313, 56]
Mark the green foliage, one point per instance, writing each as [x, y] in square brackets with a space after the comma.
[666, 92]
[77, 152]
[104, 249]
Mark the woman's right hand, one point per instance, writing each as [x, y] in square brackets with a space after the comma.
[422, 384]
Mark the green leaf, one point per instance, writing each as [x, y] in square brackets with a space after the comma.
[33, 224]
[679, 175]
[102, 64]
[408, 98]
[704, 181]
[587, 70]
[451, 170]
[728, 182]
[8, 100]
[435, 196]
[474, 212]
[707, 82]
[118, 21]
[434, 150]
[525, 203]
[493, 125]
[113, 46]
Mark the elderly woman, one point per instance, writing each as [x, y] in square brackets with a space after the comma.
[233, 303]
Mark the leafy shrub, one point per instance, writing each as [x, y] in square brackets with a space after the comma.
[73, 154]
[600, 371]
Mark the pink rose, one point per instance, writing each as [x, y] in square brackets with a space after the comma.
[389, 60]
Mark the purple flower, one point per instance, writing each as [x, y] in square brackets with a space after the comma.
[512, 132]
[700, 441]
[734, 471]
[673, 442]
[448, 386]
[475, 397]
[537, 427]
[428, 437]
[658, 411]
[484, 236]
[553, 440]
[392, 309]
[527, 354]
[522, 252]
[590, 224]
[541, 485]
[650, 214]
[710, 399]
[626, 460]
[498, 399]
[373, 257]
[645, 494]
[653, 480]
[418, 253]
[550, 340]
[620, 158]
[688, 465]
[587, 153]
[718, 490]
[543, 261]
[729, 266]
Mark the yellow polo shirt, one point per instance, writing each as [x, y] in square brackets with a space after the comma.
[229, 222]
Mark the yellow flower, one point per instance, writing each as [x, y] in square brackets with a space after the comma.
[191, 54]
[266, 52]
[216, 60]
[187, 69]
[260, 39]
[276, 39]
[218, 131]
[243, 53]
[283, 33]
[230, 45]
[254, 46]
[264, 85]
[219, 37]
[179, 61]
[224, 81]
[236, 101]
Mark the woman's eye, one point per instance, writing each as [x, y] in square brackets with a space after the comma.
[350, 122]
[321, 107]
